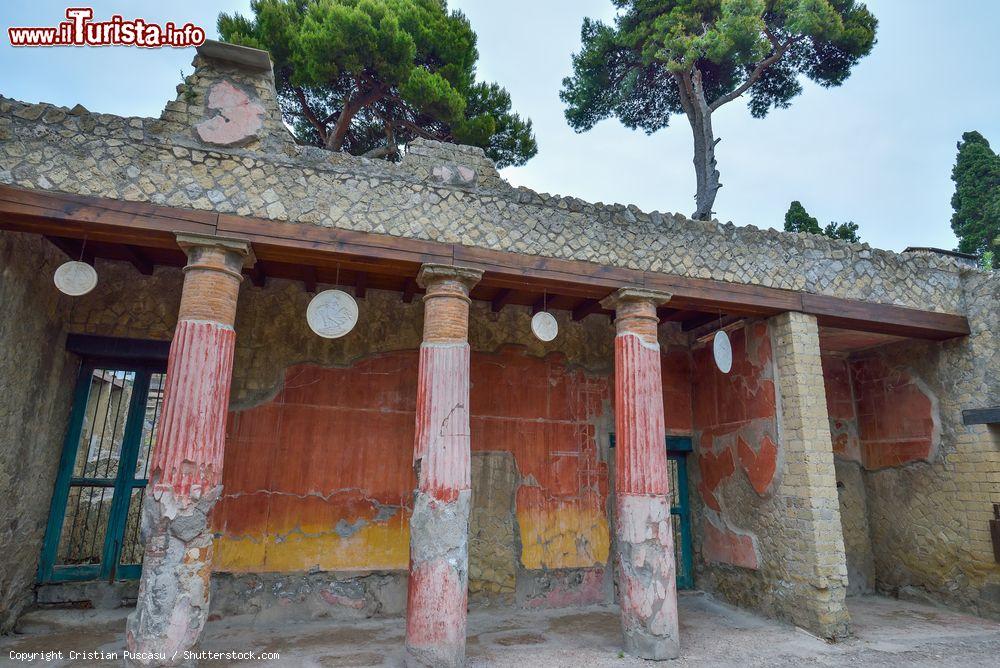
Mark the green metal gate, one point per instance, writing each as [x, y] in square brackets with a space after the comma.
[678, 448]
[93, 529]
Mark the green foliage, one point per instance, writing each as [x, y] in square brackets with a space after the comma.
[666, 57]
[366, 76]
[627, 70]
[976, 221]
[797, 219]
[845, 231]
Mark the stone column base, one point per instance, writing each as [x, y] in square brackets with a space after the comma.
[646, 576]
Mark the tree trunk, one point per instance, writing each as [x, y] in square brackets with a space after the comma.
[335, 140]
[706, 175]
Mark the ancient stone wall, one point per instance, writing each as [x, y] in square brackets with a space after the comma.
[928, 520]
[540, 415]
[438, 192]
[842, 410]
[771, 537]
[737, 447]
[854, 523]
[38, 378]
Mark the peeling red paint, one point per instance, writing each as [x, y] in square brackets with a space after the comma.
[188, 455]
[725, 546]
[640, 457]
[759, 466]
[879, 415]
[735, 417]
[895, 415]
[442, 423]
[334, 448]
[435, 590]
[676, 369]
[588, 592]
[643, 526]
[714, 469]
[840, 407]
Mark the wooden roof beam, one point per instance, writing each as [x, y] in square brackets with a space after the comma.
[409, 289]
[310, 279]
[585, 308]
[695, 323]
[257, 275]
[74, 249]
[502, 298]
[138, 259]
[143, 224]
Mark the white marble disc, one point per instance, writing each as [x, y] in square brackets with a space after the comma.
[722, 349]
[75, 278]
[544, 326]
[332, 314]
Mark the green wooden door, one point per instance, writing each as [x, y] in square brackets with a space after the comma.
[678, 448]
[93, 530]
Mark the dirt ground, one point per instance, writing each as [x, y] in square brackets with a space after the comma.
[887, 632]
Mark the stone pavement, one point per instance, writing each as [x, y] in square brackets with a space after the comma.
[887, 632]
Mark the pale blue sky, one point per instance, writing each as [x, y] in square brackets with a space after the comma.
[878, 150]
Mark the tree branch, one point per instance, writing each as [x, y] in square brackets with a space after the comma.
[755, 75]
[309, 114]
[351, 107]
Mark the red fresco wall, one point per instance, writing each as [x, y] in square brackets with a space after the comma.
[735, 422]
[840, 407]
[675, 366]
[320, 477]
[895, 415]
[879, 415]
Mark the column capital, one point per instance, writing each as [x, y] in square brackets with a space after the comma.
[434, 273]
[212, 276]
[631, 295]
[241, 248]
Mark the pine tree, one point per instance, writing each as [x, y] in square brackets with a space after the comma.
[367, 76]
[666, 57]
[976, 221]
[797, 219]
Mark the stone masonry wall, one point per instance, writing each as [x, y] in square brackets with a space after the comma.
[546, 523]
[780, 549]
[426, 196]
[815, 572]
[929, 520]
[37, 385]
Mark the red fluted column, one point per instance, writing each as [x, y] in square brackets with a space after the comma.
[643, 528]
[185, 478]
[439, 527]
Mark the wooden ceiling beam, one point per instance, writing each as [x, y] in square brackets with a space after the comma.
[257, 274]
[138, 259]
[140, 224]
[360, 285]
[309, 279]
[695, 323]
[501, 299]
[585, 308]
[74, 249]
[713, 326]
[665, 313]
[409, 290]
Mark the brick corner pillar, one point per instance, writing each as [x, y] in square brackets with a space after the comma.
[439, 526]
[185, 478]
[647, 586]
[814, 563]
